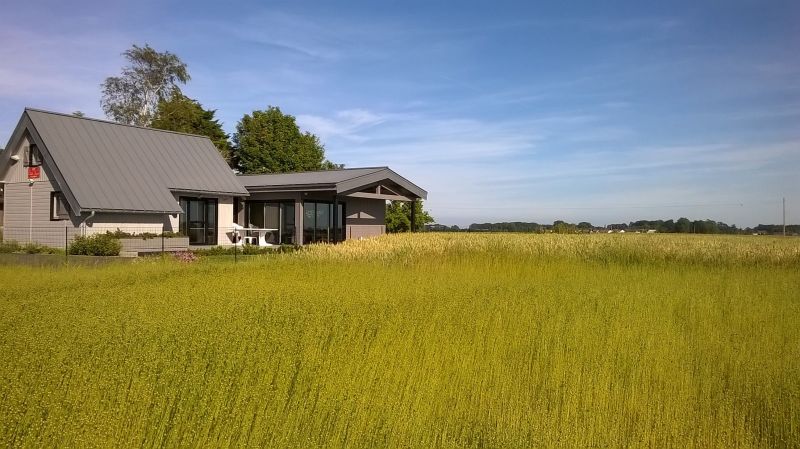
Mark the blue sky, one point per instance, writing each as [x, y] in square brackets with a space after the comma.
[596, 111]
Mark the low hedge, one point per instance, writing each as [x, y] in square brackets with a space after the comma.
[143, 235]
[95, 245]
[12, 246]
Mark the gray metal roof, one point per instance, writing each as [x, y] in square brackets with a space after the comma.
[342, 181]
[112, 167]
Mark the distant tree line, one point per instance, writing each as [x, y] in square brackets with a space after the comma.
[681, 225]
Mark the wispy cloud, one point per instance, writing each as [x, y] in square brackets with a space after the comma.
[344, 124]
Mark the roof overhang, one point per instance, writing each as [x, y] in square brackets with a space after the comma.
[405, 190]
[411, 190]
[293, 188]
[205, 192]
[25, 127]
[131, 211]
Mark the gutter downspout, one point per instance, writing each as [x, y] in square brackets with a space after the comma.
[82, 226]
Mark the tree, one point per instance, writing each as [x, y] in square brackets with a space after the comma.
[398, 217]
[683, 225]
[561, 227]
[183, 114]
[149, 78]
[271, 142]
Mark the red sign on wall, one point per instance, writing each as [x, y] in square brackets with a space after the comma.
[34, 172]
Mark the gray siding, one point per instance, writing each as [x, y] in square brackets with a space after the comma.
[358, 232]
[364, 211]
[26, 216]
[365, 218]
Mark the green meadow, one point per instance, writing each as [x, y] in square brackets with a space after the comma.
[419, 341]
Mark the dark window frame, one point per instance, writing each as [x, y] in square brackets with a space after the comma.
[341, 216]
[56, 198]
[33, 149]
[281, 203]
[183, 220]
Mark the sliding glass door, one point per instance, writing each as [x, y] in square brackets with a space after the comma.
[199, 220]
[318, 223]
[272, 215]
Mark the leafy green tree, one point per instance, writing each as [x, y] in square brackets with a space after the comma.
[683, 225]
[705, 227]
[561, 227]
[271, 142]
[398, 216]
[149, 78]
[183, 114]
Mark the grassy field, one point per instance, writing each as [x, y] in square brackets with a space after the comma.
[430, 340]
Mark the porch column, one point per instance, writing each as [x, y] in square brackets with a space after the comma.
[413, 217]
[298, 220]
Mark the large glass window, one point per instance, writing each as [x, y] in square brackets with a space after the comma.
[318, 223]
[199, 220]
[272, 215]
[287, 225]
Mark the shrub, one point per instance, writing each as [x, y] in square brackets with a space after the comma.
[118, 234]
[28, 248]
[96, 245]
[35, 248]
[10, 247]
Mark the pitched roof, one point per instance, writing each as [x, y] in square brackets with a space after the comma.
[108, 166]
[342, 181]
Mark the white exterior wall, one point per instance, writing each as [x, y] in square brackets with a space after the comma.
[131, 223]
[224, 221]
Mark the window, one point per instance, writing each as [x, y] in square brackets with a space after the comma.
[34, 158]
[199, 220]
[58, 207]
[318, 222]
[272, 215]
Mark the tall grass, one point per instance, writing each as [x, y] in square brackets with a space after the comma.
[412, 341]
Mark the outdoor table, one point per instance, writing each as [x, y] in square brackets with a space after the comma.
[261, 234]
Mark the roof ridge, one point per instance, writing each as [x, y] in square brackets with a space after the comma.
[314, 171]
[109, 122]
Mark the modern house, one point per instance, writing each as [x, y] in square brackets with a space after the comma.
[64, 175]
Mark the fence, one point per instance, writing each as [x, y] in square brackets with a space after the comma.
[133, 241]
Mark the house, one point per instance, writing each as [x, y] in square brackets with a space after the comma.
[313, 206]
[62, 175]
